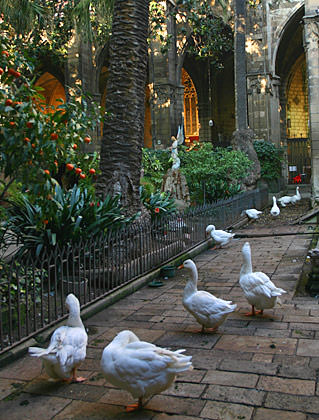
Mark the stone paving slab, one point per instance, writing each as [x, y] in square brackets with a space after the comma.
[257, 368]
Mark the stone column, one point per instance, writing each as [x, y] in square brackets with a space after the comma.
[263, 106]
[240, 65]
[311, 40]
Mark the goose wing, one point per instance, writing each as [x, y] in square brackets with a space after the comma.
[206, 304]
[139, 365]
[68, 348]
[221, 235]
[73, 349]
[259, 284]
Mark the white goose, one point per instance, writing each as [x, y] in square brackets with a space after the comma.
[259, 290]
[286, 199]
[208, 310]
[275, 211]
[252, 213]
[67, 348]
[221, 237]
[141, 368]
[296, 197]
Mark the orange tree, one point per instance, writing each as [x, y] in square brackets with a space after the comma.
[39, 147]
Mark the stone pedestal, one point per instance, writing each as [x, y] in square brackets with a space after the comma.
[243, 140]
[175, 183]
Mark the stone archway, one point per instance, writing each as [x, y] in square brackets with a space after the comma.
[53, 91]
[290, 65]
[297, 114]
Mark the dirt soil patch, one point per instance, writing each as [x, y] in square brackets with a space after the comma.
[288, 215]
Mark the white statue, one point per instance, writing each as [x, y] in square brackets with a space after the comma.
[176, 141]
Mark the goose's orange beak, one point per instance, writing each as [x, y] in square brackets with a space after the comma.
[180, 267]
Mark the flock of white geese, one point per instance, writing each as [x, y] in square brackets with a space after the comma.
[142, 368]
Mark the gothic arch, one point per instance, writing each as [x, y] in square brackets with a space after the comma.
[292, 20]
[191, 123]
[53, 90]
[290, 66]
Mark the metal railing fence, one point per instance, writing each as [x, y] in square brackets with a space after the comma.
[33, 289]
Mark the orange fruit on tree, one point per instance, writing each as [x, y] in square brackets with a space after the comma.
[87, 140]
[54, 136]
[12, 123]
[1, 71]
[82, 176]
[14, 73]
[69, 166]
[78, 170]
[9, 102]
[46, 171]
[92, 171]
[26, 139]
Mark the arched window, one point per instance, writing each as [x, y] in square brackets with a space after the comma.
[190, 108]
[297, 101]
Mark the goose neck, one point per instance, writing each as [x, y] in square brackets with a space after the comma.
[191, 285]
[246, 268]
[74, 319]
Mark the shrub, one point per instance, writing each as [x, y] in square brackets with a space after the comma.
[65, 217]
[155, 164]
[270, 157]
[159, 204]
[213, 174]
[30, 281]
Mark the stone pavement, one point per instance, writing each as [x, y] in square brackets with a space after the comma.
[254, 368]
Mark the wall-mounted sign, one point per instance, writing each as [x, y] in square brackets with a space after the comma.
[292, 168]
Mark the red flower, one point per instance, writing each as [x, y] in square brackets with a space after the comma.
[296, 179]
[157, 210]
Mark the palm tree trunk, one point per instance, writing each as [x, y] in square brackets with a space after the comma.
[123, 134]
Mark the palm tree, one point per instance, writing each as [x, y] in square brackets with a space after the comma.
[123, 134]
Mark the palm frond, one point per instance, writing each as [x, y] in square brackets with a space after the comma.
[22, 14]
